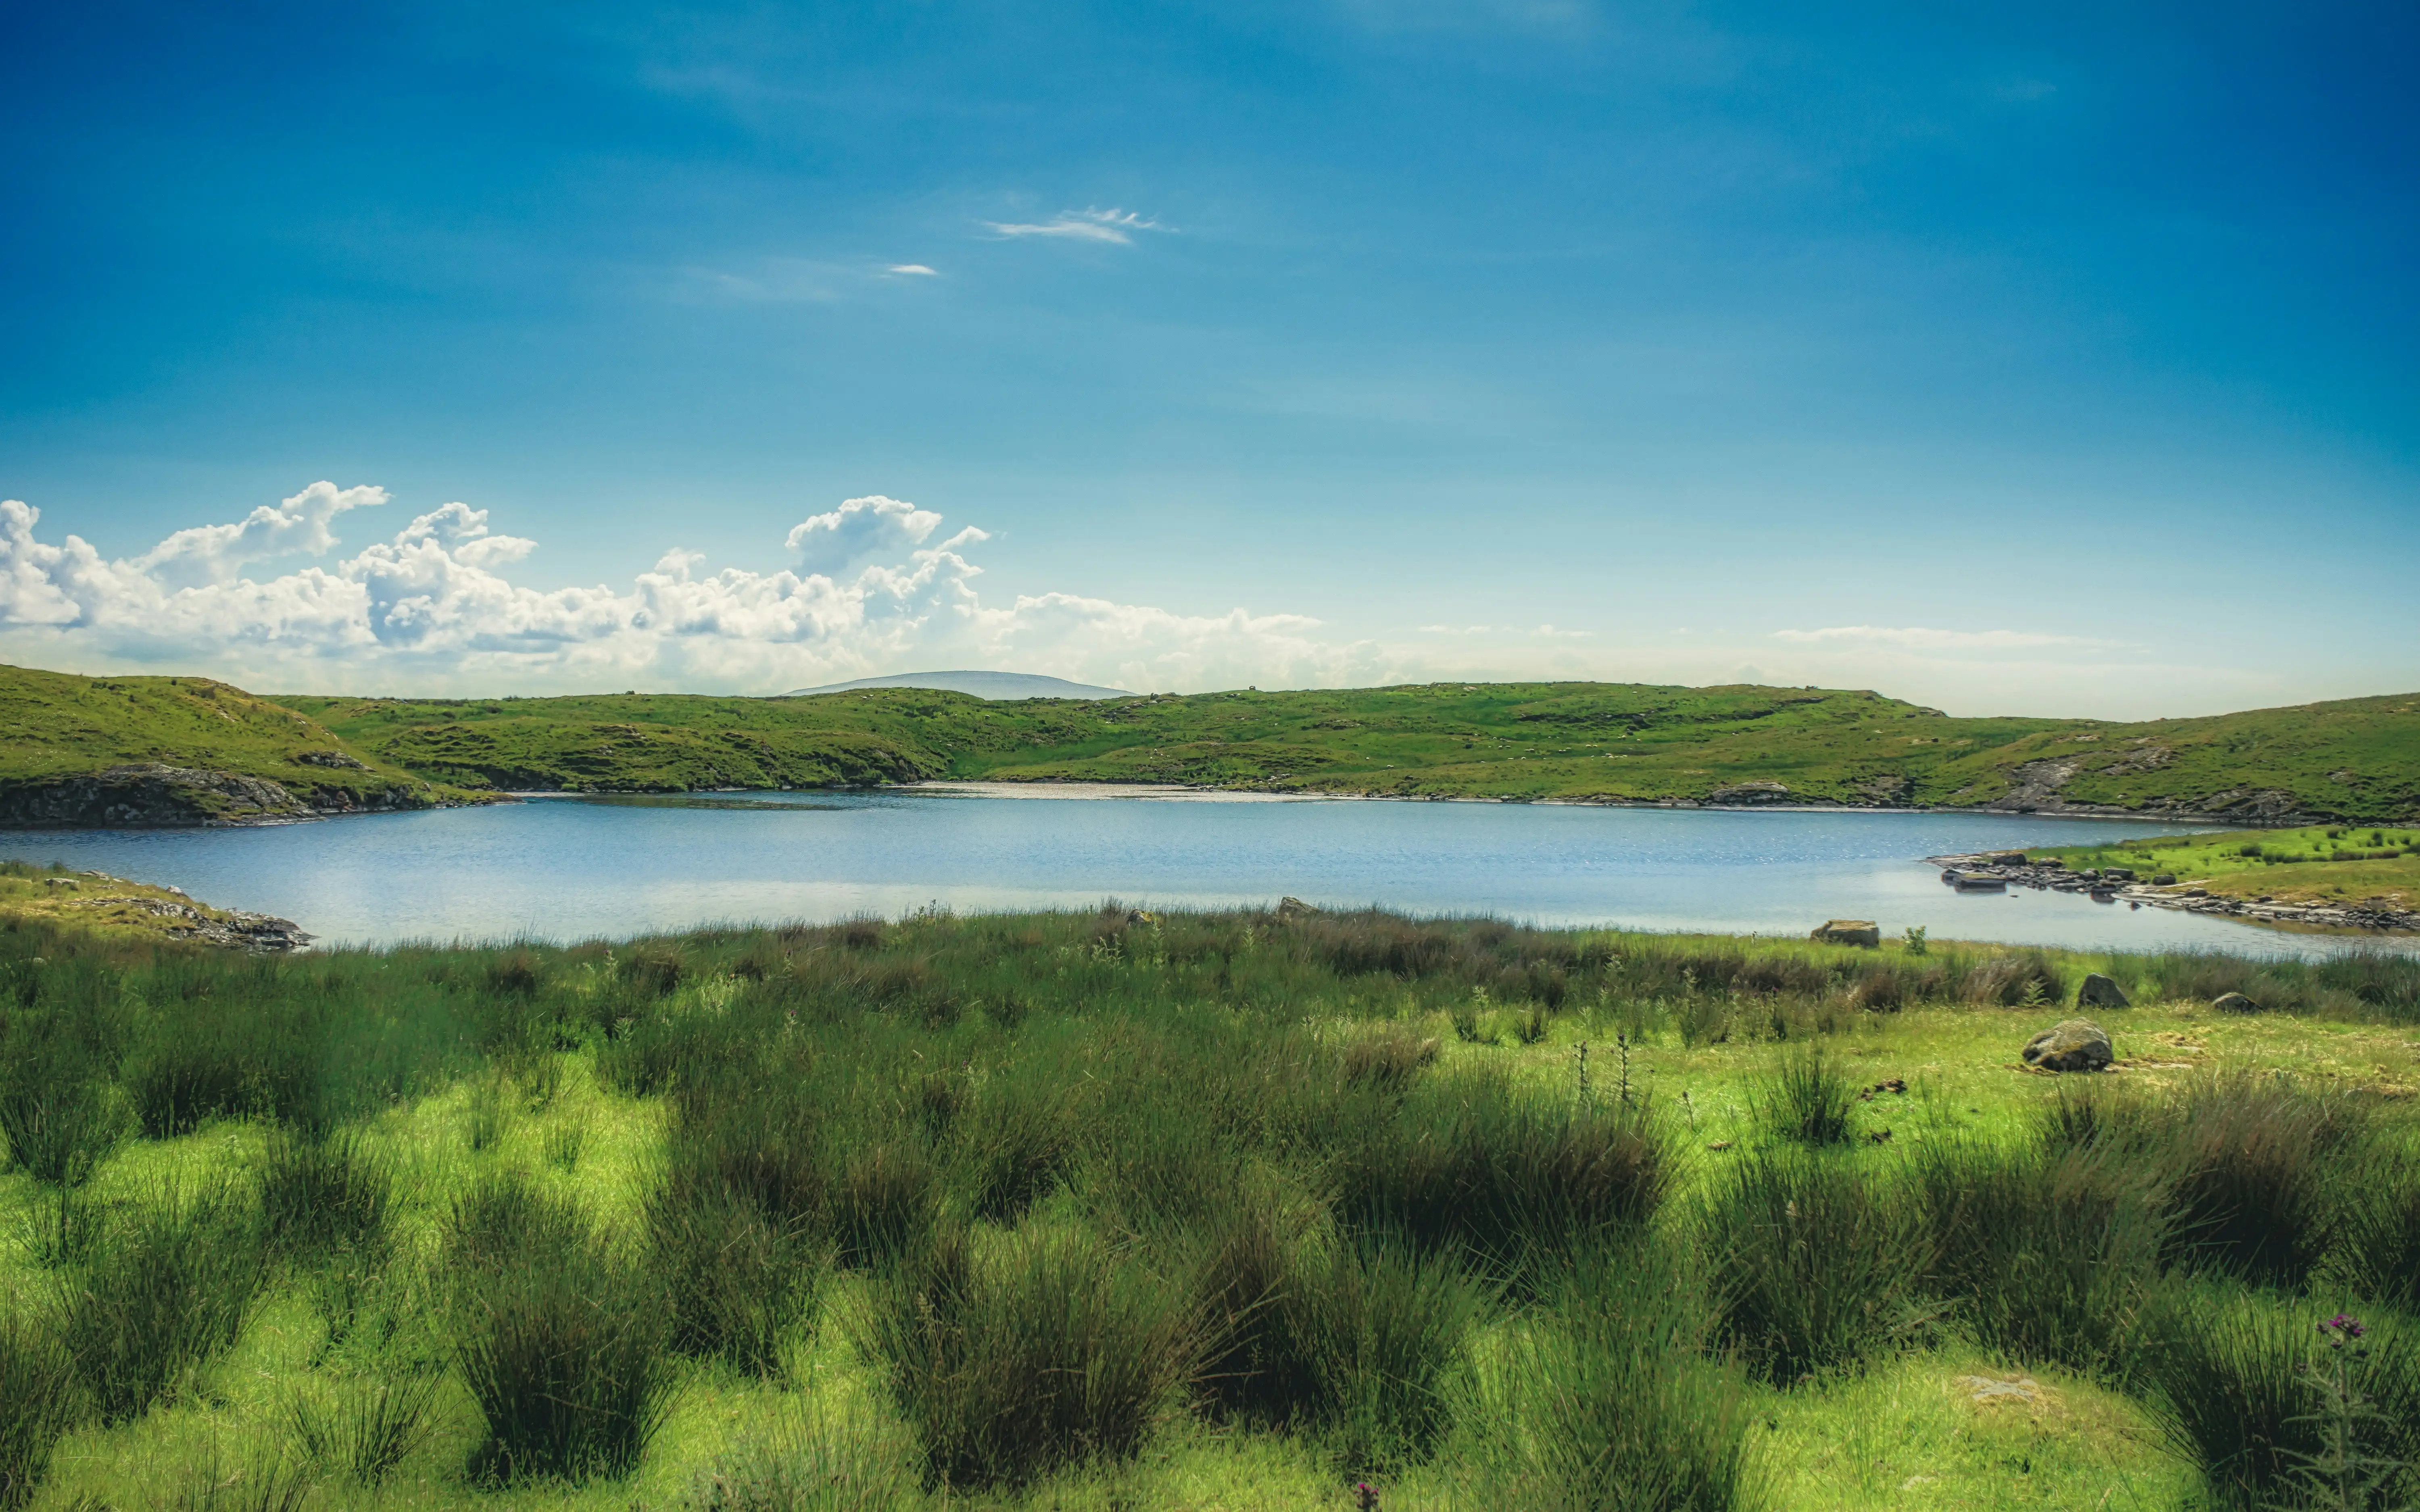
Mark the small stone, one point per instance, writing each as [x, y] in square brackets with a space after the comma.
[2100, 992]
[2077, 1044]
[1863, 932]
[2163, 879]
[2235, 1003]
[1293, 908]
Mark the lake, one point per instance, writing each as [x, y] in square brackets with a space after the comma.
[564, 868]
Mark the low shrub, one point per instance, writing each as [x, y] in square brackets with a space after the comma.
[1050, 1351]
[1815, 1265]
[167, 1291]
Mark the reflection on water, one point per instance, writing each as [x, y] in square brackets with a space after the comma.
[574, 868]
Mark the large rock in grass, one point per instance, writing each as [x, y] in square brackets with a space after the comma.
[2100, 992]
[2078, 1044]
[2235, 1003]
[1863, 932]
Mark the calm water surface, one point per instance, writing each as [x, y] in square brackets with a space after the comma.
[568, 869]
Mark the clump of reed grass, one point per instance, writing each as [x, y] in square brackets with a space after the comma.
[2247, 1167]
[1815, 1265]
[263, 1481]
[1620, 1399]
[1808, 1099]
[736, 1282]
[1013, 1144]
[57, 1126]
[1388, 1055]
[816, 1462]
[563, 1345]
[2236, 1391]
[371, 1427]
[1473, 1162]
[169, 1288]
[1384, 1329]
[1050, 1351]
[2044, 1254]
[2377, 1252]
[566, 1141]
[37, 1391]
[490, 1110]
[325, 1192]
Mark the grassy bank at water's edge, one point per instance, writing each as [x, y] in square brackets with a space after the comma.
[1109, 1211]
[2313, 864]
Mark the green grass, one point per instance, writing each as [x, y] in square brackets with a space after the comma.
[54, 725]
[2314, 864]
[1211, 1209]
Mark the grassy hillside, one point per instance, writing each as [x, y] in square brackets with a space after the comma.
[56, 727]
[2316, 864]
[1093, 1211]
[2356, 760]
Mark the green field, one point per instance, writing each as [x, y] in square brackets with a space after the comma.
[2354, 760]
[1218, 1210]
[2315, 864]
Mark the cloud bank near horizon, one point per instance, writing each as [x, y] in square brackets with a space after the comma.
[876, 586]
[431, 608]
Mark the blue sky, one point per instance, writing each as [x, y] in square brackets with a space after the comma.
[2056, 361]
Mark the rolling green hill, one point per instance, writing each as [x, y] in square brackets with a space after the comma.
[154, 750]
[2356, 760]
[167, 750]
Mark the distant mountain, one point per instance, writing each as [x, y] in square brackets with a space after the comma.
[982, 684]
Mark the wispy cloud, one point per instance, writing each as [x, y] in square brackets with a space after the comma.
[916, 269]
[1917, 637]
[1547, 632]
[1110, 226]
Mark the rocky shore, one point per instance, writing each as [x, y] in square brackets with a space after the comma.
[152, 795]
[1997, 871]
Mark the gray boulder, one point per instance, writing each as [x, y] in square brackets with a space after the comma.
[2077, 1044]
[2100, 992]
[1863, 932]
[2235, 1003]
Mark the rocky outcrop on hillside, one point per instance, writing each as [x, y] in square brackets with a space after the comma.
[153, 796]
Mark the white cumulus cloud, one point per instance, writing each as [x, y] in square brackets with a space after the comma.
[875, 587]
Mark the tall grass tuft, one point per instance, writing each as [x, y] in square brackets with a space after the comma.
[2239, 1392]
[564, 1349]
[58, 1130]
[1815, 1265]
[816, 1462]
[369, 1429]
[1386, 1330]
[321, 1194]
[1473, 1162]
[736, 1281]
[2044, 1254]
[168, 1290]
[1808, 1099]
[1619, 1399]
[2377, 1253]
[37, 1387]
[1050, 1351]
